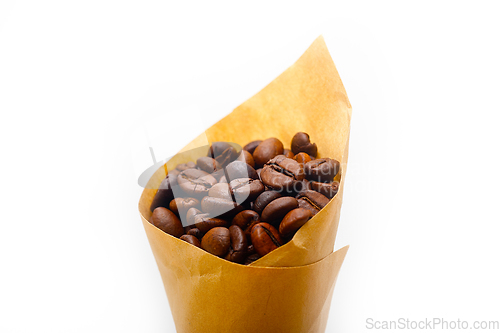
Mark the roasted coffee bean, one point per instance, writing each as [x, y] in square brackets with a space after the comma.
[246, 189]
[223, 179]
[251, 258]
[217, 206]
[195, 182]
[303, 203]
[165, 193]
[217, 241]
[264, 199]
[293, 220]
[281, 173]
[302, 143]
[266, 150]
[246, 157]
[185, 166]
[250, 249]
[288, 153]
[245, 218]
[239, 169]
[265, 238]
[195, 232]
[164, 219]
[218, 174]
[314, 201]
[302, 158]
[322, 169]
[208, 164]
[278, 208]
[205, 223]
[217, 148]
[250, 147]
[221, 190]
[191, 240]
[258, 173]
[191, 214]
[180, 206]
[327, 189]
[227, 156]
[239, 244]
[302, 185]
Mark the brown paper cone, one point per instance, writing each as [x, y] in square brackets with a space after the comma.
[288, 290]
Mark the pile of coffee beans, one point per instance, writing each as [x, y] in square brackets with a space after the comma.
[240, 204]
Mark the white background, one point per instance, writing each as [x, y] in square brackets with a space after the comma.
[78, 78]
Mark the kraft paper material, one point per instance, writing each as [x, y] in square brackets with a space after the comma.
[289, 289]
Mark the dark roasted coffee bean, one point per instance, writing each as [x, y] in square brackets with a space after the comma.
[278, 208]
[251, 258]
[246, 189]
[315, 199]
[266, 150]
[258, 173]
[217, 148]
[302, 158]
[185, 166]
[217, 241]
[227, 156]
[293, 221]
[164, 219]
[195, 232]
[239, 169]
[250, 147]
[303, 203]
[288, 153]
[165, 194]
[221, 190]
[180, 206]
[302, 143]
[244, 218]
[302, 185]
[217, 206]
[264, 199]
[191, 214]
[208, 164]
[205, 223]
[281, 173]
[322, 169]
[327, 189]
[239, 244]
[246, 157]
[191, 240]
[265, 238]
[250, 249]
[195, 182]
[218, 175]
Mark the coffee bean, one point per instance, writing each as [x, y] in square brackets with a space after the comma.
[265, 238]
[322, 169]
[205, 223]
[250, 147]
[288, 153]
[217, 241]
[180, 206]
[244, 218]
[312, 200]
[239, 169]
[246, 157]
[195, 232]
[294, 220]
[251, 258]
[164, 219]
[278, 208]
[239, 244]
[165, 193]
[302, 143]
[223, 152]
[191, 240]
[221, 190]
[191, 214]
[266, 150]
[327, 189]
[195, 182]
[246, 189]
[185, 166]
[217, 148]
[208, 164]
[280, 173]
[218, 206]
[302, 158]
[264, 199]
